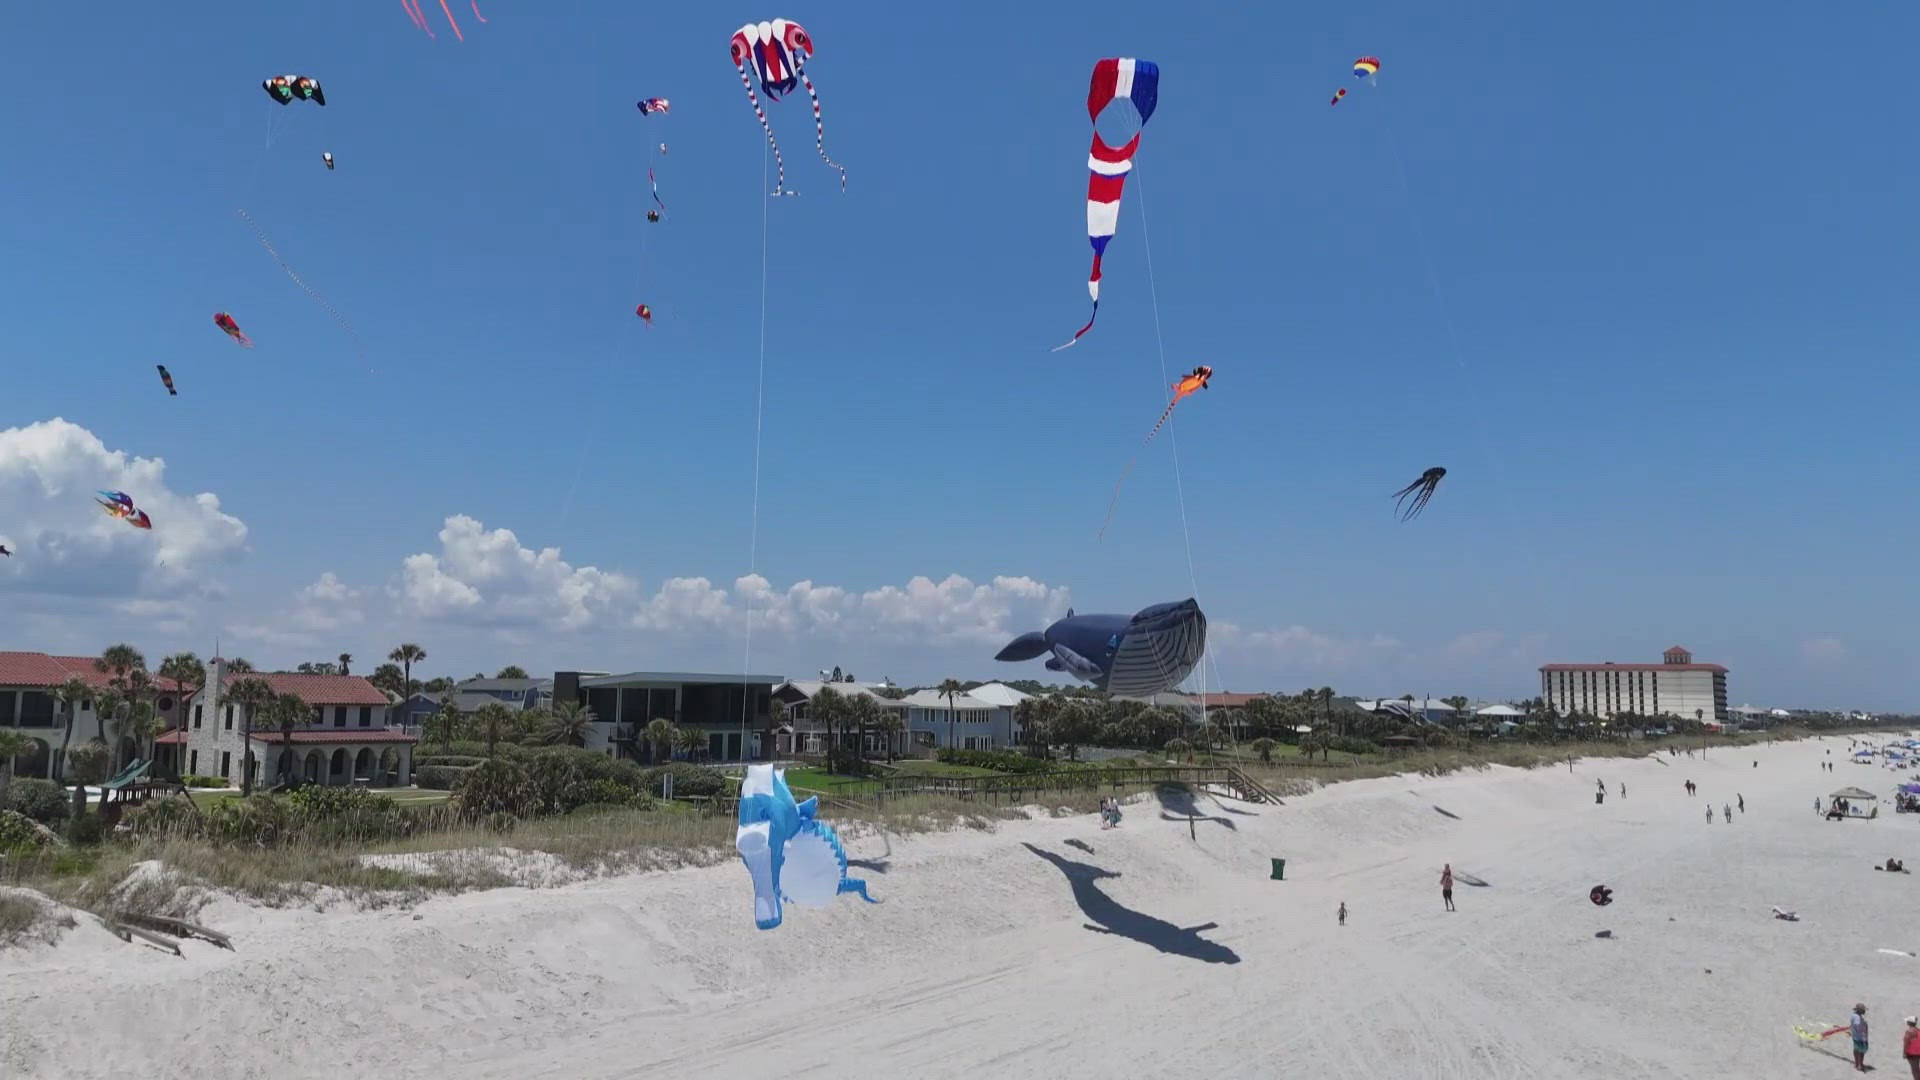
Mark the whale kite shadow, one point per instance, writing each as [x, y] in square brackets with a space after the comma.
[1111, 917]
[1177, 804]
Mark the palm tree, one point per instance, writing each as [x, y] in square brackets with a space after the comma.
[13, 744]
[1325, 696]
[892, 724]
[70, 695]
[571, 723]
[345, 659]
[286, 712]
[690, 741]
[448, 719]
[239, 665]
[950, 689]
[118, 663]
[188, 675]
[660, 733]
[512, 671]
[492, 717]
[406, 656]
[827, 706]
[865, 712]
[249, 694]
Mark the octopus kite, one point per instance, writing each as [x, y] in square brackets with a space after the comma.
[1420, 492]
[285, 88]
[779, 51]
[1197, 379]
[167, 379]
[119, 504]
[1124, 91]
[225, 322]
[420, 17]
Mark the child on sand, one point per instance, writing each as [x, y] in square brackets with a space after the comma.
[1446, 885]
[1343, 913]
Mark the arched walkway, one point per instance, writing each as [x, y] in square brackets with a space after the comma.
[363, 765]
[310, 769]
[337, 767]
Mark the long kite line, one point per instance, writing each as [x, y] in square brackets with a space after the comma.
[261, 235]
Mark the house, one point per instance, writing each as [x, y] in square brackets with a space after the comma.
[513, 693]
[27, 704]
[346, 739]
[968, 722]
[799, 732]
[733, 711]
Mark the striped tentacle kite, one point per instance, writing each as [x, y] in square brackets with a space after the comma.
[1128, 90]
[778, 50]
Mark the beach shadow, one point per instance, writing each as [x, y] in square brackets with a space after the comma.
[1081, 844]
[1112, 917]
[1449, 813]
[879, 865]
[1177, 804]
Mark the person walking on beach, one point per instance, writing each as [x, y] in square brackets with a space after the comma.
[1743, 801]
[1623, 789]
[1446, 885]
[1859, 1025]
[1343, 913]
[1727, 809]
[1910, 1046]
[1709, 813]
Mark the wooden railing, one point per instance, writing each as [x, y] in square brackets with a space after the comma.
[1014, 784]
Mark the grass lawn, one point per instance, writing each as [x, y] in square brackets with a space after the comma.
[838, 784]
[405, 796]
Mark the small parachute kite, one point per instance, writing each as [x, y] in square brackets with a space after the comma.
[1197, 379]
[327, 157]
[1124, 91]
[1337, 95]
[1420, 491]
[167, 378]
[1366, 67]
[225, 322]
[779, 51]
[420, 17]
[652, 105]
[1600, 895]
[1127, 656]
[791, 855]
[646, 315]
[285, 88]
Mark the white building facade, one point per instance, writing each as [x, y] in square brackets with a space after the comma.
[1676, 687]
[980, 719]
[344, 740]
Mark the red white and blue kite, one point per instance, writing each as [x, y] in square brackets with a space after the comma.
[778, 50]
[1123, 93]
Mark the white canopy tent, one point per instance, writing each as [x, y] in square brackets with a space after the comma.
[1860, 802]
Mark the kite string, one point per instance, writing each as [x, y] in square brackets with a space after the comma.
[325, 305]
[759, 404]
[1173, 438]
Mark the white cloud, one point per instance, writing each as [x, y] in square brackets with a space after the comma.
[1301, 647]
[489, 578]
[63, 544]
[924, 612]
[327, 604]
[1823, 650]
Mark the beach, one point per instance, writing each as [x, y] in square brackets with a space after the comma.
[1053, 948]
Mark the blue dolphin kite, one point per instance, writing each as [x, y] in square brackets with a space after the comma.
[790, 854]
[1131, 657]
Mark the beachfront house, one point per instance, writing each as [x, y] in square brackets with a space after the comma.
[345, 738]
[732, 712]
[28, 705]
[799, 731]
[1674, 687]
[513, 693]
[983, 722]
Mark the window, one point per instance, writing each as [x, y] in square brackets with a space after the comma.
[223, 771]
[339, 716]
[226, 759]
[366, 716]
[193, 762]
[165, 704]
[197, 710]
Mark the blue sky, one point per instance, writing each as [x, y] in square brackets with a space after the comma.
[1639, 275]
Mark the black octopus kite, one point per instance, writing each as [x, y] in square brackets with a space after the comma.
[1420, 491]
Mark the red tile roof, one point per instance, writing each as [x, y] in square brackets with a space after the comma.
[42, 670]
[1633, 667]
[317, 689]
[343, 735]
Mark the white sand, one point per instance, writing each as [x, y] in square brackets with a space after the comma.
[978, 963]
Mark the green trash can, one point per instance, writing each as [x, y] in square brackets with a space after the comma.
[1279, 870]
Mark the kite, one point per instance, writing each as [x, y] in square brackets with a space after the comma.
[284, 88]
[1812, 1032]
[1420, 491]
[4, 551]
[652, 105]
[1366, 67]
[1126, 90]
[119, 504]
[1337, 95]
[779, 51]
[791, 855]
[651, 216]
[1600, 895]
[167, 379]
[646, 315]
[225, 322]
[420, 18]
[1127, 656]
[118, 499]
[328, 158]
[1197, 379]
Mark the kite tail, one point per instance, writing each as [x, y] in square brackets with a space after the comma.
[1082, 330]
[420, 18]
[855, 885]
[1115, 501]
[656, 187]
[1161, 423]
[820, 131]
[407, 6]
[261, 235]
[476, 10]
[780, 186]
[458, 36]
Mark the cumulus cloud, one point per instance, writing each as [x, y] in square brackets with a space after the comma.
[63, 544]
[951, 611]
[490, 578]
[1301, 647]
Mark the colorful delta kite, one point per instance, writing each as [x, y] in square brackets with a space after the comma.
[167, 379]
[779, 51]
[1420, 491]
[1123, 93]
[646, 315]
[225, 322]
[652, 105]
[285, 88]
[791, 855]
[1135, 656]
[119, 504]
[420, 17]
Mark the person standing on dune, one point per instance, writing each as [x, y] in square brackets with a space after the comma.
[1446, 885]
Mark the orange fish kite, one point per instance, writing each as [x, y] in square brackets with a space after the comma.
[1196, 379]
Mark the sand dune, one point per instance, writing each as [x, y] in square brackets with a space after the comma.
[1050, 948]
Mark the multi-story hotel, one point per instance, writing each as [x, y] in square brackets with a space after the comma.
[1678, 687]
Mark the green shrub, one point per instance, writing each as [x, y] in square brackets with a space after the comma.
[158, 818]
[87, 829]
[87, 763]
[687, 780]
[334, 814]
[257, 819]
[440, 777]
[498, 787]
[18, 832]
[42, 800]
[464, 761]
[193, 781]
[998, 760]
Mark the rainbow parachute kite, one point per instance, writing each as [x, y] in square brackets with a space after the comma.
[1122, 94]
[1366, 67]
